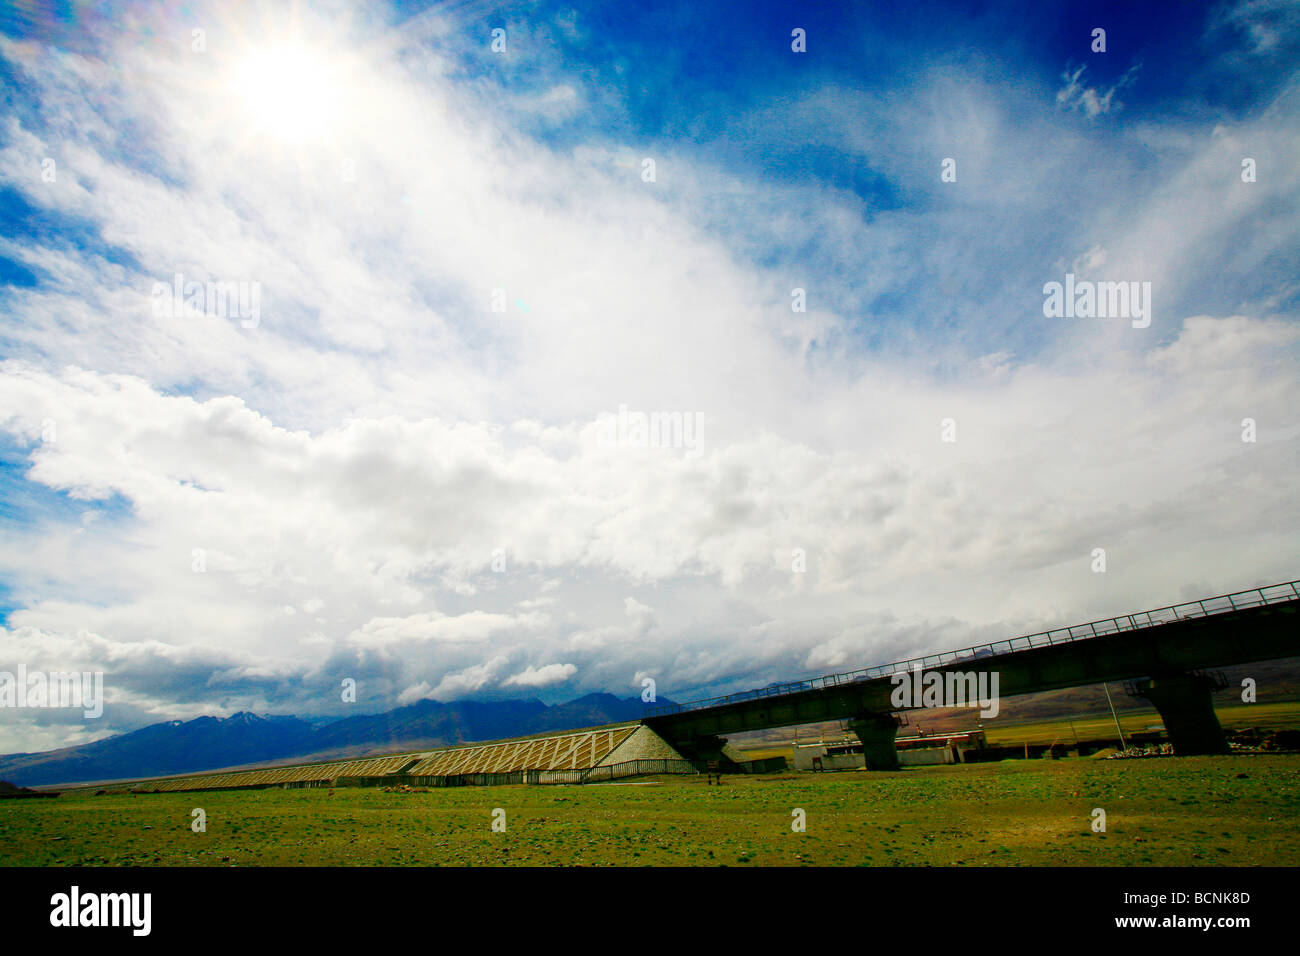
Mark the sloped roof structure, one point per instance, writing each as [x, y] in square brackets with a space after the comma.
[578, 750]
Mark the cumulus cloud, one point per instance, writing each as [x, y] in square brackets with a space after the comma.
[470, 679]
[541, 676]
[475, 626]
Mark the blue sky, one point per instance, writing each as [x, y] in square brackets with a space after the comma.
[392, 467]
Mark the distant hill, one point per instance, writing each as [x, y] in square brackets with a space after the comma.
[213, 743]
[594, 710]
[429, 720]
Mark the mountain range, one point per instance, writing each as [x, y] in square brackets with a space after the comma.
[244, 739]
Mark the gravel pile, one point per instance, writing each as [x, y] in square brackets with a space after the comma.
[1154, 750]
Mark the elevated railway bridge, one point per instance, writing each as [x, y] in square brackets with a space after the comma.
[1163, 652]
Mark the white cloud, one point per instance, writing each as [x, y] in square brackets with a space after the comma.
[475, 626]
[1091, 100]
[541, 676]
[468, 680]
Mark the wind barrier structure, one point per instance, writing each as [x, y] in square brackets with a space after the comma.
[564, 752]
[626, 768]
[579, 757]
[614, 771]
[1237, 601]
[305, 775]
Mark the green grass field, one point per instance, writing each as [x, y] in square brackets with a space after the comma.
[1234, 811]
[1279, 716]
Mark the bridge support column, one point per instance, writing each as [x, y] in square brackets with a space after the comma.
[1186, 705]
[877, 731]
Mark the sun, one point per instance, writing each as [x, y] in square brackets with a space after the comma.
[287, 91]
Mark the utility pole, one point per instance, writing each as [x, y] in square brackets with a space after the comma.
[1122, 745]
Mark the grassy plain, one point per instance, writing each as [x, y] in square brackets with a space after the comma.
[1279, 716]
[1233, 810]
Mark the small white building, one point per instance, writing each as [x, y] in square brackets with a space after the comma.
[914, 751]
[844, 755]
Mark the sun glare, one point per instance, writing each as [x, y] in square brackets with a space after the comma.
[287, 91]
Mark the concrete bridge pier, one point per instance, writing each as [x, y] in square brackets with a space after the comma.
[1186, 705]
[877, 732]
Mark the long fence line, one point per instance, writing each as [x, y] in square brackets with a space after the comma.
[626, 768]
[1237, 601]
[597, 774]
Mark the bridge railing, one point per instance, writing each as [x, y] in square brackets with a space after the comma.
[1238, 600]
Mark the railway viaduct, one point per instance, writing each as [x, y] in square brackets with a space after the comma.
[1164, 652]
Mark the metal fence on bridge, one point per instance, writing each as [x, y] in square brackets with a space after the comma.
[1237, 601]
